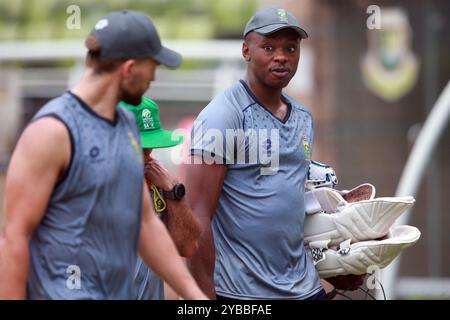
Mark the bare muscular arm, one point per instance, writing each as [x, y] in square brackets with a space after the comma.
[158, 252]
[41, 157]
[204, 186]
[183, 226]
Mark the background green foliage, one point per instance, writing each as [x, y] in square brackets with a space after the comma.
[183, 19]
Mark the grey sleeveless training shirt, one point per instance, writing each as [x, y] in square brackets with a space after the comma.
[86, 245]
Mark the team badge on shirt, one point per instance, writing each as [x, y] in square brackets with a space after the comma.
[135, 145]
[306, 140]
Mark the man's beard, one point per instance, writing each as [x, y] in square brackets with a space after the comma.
[130, 98]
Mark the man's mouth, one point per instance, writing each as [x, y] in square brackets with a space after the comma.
[279, 72]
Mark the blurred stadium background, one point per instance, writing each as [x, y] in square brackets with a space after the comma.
[370, 91]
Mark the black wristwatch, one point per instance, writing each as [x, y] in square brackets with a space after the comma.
[177, 192]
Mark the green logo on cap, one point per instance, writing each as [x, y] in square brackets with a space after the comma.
[147, 119]
[282, 15]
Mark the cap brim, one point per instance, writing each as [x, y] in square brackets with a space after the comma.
[169, 58]
[277, 27]
[160, 139]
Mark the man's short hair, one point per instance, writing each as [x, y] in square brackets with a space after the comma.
[95, 61]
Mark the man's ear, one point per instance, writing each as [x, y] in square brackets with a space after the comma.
[246, 52]
[127, 67]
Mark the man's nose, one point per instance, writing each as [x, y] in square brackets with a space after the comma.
[280, 56]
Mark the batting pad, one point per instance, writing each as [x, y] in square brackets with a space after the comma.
[365, 191]
[331, 218]
[356, 258]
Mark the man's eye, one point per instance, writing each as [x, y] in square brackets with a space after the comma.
[268, 48]
[291, 49]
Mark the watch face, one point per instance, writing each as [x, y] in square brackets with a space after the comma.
[179, 191]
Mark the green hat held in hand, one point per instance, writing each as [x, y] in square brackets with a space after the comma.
[152, 135]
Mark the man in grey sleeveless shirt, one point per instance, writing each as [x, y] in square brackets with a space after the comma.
[77, 209]
[251, 149]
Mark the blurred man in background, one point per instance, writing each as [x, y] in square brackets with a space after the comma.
[168, 196]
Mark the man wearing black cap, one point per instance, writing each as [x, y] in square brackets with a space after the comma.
[77, 209]
[251, 203]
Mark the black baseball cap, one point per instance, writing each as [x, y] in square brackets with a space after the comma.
[271, 20]
[132, 35]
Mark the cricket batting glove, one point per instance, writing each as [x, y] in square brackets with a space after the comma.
[359, 257]
[320, 175]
